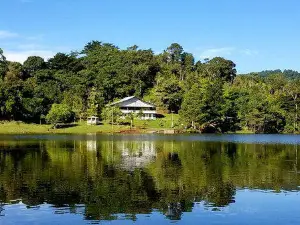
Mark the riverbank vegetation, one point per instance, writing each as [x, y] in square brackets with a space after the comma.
[207, 95]
[139, 126]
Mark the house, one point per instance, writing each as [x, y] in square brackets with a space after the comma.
[135, 105]
[93, 120]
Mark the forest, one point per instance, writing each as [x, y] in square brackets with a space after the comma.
[208, 95]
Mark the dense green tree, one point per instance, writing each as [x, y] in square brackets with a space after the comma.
[293, 93]
[3, 64]
[175, 51]
[218, 67]
[33, 64]
[15, 72]
[60, 113]
[190, 106]
[62, 61]
[75, 102]
[94, 102]
[203, 104]
[169, 92]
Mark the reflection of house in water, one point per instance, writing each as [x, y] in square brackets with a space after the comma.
[91, 143]
[137, 156]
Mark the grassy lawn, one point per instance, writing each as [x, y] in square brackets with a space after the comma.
[83, 128]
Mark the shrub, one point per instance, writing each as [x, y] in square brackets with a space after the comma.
[60, 113]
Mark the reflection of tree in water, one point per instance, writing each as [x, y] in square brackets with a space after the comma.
[1, 209]
[174, 211]
[219, 195]
[172, 167]
[131, 193]
[173, 177]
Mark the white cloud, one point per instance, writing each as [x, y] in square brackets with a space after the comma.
[21, 56]
[214, 52]
[35, 38]
[249, 52]
[226, 52]
[4, 34]
[29, 47]
[24, 46]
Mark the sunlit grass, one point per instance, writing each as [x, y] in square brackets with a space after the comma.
[82, 128]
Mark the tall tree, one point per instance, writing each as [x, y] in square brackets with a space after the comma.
[203, 104]
[175, 51]
[293, 90]
[3, 64]
[218, 67]
[33, 64]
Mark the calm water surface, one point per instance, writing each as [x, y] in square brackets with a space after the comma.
[149, 179]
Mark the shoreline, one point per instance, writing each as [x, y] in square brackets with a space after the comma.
[27, 128]
[16, 128]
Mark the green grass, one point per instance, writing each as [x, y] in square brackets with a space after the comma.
[22, 128]
[82, 128]
[161, 123]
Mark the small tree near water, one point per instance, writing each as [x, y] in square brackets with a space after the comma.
[131, 117]
[60, 113]
[111, 114]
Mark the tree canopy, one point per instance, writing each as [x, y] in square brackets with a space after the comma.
[209, 95]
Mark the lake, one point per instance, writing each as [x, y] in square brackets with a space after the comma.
[149, 179]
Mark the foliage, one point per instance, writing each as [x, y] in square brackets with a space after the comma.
[208, 94]
[203, 104]
[3, 64]
[33, 64]
[111, 114]
[60, 113]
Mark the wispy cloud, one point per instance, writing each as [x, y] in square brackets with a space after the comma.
[225, 52]
[29, 46]
[4, 34]
[21, 56]
[35, 38]
[22, 46]
[213, 52]
[249, 52]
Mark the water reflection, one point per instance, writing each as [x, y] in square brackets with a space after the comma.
[114, 179]
[136, 154]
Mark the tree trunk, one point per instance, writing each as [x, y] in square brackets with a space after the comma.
[296, 116]
[296, 113]
[193, 125]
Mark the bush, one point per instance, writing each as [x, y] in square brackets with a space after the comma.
[60, 113]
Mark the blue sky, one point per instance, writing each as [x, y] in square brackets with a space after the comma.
[255, 34]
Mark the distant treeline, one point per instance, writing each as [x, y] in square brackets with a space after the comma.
[290, 74]
[208, 95]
